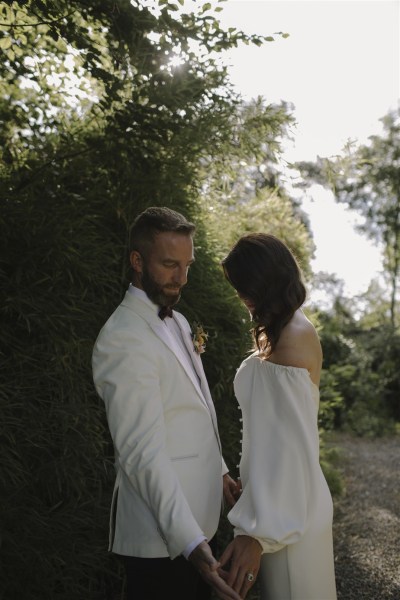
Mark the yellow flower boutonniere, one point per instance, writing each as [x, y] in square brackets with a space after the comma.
[199, 337]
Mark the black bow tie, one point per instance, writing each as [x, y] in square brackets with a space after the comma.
[165, 311]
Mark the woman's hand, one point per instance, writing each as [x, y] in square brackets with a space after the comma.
[240, 563]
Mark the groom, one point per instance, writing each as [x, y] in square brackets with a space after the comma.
[170, 474]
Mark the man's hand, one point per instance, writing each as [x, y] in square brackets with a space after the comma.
[203, 560]
[232, 489]
[242, 557]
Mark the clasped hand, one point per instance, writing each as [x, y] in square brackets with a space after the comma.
[208, 567]
[235, 573]
[240, 564]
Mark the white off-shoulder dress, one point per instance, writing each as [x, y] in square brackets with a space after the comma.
[285, 503]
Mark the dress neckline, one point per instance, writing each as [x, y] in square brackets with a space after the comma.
[287, 368]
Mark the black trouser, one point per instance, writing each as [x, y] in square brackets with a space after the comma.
[158, 578]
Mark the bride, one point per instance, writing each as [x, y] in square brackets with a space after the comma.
[283, 517]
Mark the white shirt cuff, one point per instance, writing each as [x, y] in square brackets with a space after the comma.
[190, 547]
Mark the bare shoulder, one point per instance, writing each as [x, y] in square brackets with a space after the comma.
[300, 346]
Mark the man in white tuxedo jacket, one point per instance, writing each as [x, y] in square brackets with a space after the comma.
[170, 474]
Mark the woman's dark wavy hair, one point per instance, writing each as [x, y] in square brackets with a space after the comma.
[262, 268]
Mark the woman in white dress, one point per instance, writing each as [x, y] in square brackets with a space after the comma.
[283, 517]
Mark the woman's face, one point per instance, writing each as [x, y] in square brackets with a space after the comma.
[249, 304]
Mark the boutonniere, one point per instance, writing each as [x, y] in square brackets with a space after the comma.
[199, 337]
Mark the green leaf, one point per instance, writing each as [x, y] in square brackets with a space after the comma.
[17, 50]
[5, 42]
[21, 16]
[8, 13]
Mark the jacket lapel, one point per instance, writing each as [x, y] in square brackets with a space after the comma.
[195, 357]
[198, 365]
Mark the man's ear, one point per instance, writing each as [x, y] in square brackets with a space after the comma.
[136, 261]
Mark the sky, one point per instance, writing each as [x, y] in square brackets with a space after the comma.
[340, 68]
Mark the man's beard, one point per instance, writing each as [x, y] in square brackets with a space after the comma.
[155, 291]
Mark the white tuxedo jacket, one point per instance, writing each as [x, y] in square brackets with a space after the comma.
[169, 467]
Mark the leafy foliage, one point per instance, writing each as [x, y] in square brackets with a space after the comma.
[98, 124]
[360, 383]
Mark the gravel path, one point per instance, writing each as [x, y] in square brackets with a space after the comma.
[367, 519]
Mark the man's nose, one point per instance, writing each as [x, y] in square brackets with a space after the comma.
[181, 275]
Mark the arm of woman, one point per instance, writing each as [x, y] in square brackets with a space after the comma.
[279, 468]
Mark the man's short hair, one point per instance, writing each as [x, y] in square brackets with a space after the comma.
[154, 220]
